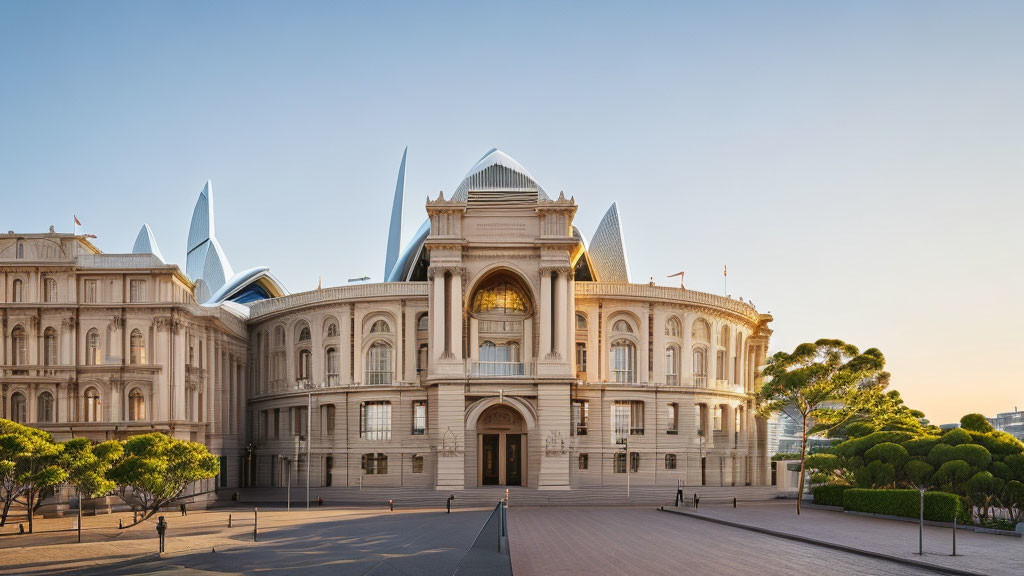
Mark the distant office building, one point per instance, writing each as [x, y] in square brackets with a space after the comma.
[1010, 422]
[949, 426]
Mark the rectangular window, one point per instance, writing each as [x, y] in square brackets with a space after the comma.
[299, 423]
[375, 463]
[700, 418]
[137, 291]
[327, 419]
[720, 365]
[717, 425]
[670, 461]
[627, 419]
[328, 469]
[264, 424]
[277, 423]
[90, 291]
[673, 418]
[417, 464]
[419, 417]
[375, 420]
[580, 417]
[581, 357]
[222, 476]
[634, 462]
[584, 461]
[620, 463]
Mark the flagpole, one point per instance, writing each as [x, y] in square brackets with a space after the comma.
[725, 278]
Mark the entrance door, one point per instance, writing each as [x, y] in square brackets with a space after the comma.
[490, 460]
[513, 460]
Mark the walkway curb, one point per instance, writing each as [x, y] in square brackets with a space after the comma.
[832, 545]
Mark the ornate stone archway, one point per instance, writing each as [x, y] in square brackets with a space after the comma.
[501, 446]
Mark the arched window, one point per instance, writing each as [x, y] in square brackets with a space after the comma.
[623, 359]
[136, 405]
[18, 291]
[20, 249]
[49, 346]
[138, 348]
[701, 331]
[304, 335]
[49, 290]
[500, 298]
[581, 321]
[380, 327]
[331, 360]
[19, 347]
[581, 357]
[305, 364]
[92, 347]
[44, 407]
[19, 408]
[499, 359]
[423, 323]
[622, 326]
[672, 366]
[378, 364]
[93, 407]
[700, 367]
[672, 327]
[332, 330]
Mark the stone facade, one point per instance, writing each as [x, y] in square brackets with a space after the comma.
[504, 352]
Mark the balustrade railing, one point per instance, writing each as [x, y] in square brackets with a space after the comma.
[378, 378]
[499, 369]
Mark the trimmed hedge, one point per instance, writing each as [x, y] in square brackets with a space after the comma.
[938, 506]
[830, 494]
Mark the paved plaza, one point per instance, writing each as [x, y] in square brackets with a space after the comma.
[322, 541]
[617, 541]
[543, 541]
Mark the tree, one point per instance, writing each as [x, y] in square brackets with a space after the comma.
[983, 490]
[155, 468]
[918, 473]
[1013, 500]
[976, 423]
[811, 378]
[28, 466]
[951, 475]
[87, 466]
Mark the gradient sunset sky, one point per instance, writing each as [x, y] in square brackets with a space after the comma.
[858, 166]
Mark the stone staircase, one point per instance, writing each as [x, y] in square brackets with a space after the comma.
[485, 497]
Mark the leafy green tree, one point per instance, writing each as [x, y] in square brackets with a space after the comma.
[155, 468]
[1016, 464]
[876, 474]
[888, 452]
[952, 475]
[918, 473]
[87, 466]
[1013, 500]
[983, 490]
[976, 423]
[812, 378]
[28, 466]
[957, 436]
[976, 456]
[870, 408]
[920, 446]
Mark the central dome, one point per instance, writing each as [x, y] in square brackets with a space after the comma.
[497, 172]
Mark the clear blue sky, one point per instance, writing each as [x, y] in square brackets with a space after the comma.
[857, 165]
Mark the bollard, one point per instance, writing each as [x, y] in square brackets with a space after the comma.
[255, 524]
[119, 525]
[229, 520]
[679, 497]
[450, 498]
[954, 534]
[734, 502]
[391, 503]
[506, 497]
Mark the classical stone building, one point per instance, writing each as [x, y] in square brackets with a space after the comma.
[503, 349]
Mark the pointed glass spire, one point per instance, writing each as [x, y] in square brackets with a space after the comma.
[395, 231]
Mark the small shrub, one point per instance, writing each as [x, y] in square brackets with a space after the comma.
[830, 494]
[938, 506]
[976, 456]
[921, 446]
[918, 472]
[975, 423]
[940, 454]
[957, 436]
[888, 453]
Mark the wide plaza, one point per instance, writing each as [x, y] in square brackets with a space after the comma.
[542, 540]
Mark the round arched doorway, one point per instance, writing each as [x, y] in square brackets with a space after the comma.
[501, 447]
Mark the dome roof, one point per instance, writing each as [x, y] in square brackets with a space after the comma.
[497, 171]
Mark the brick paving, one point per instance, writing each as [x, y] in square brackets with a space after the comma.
[989, 554]
[322, 541]
[626, 541]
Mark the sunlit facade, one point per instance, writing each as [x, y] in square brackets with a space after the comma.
[504, 349]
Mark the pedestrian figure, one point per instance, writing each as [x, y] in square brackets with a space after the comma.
[184, 511]
[319, 501]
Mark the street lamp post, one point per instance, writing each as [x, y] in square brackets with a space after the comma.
[309, 438]
[625, 448]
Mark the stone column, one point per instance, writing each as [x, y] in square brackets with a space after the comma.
[455, 315]
[545, 314]
[686, 362]
[561, 305]
[570, 323]
[474, 339]
[437, 316]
